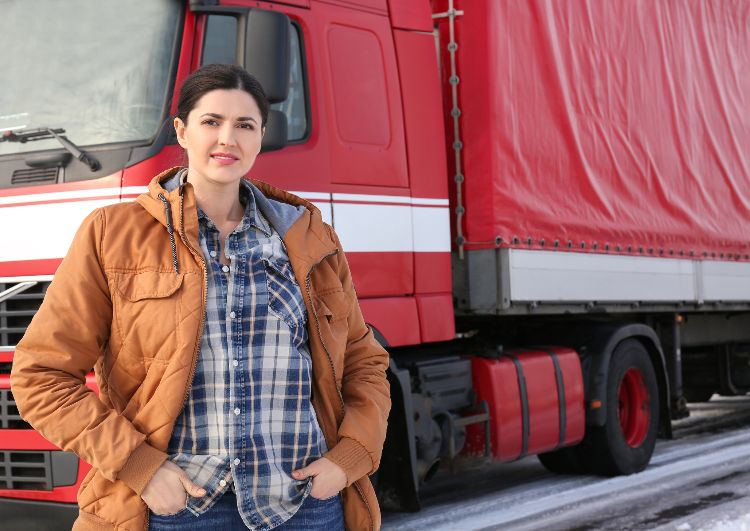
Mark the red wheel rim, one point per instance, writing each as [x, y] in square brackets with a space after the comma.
[635, 410]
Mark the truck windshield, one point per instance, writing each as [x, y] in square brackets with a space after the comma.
[99, 69]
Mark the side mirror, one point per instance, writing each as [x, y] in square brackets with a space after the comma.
[276, 131]
[263, 45]
[267, 53]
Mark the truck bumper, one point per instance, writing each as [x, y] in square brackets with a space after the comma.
[25, 515]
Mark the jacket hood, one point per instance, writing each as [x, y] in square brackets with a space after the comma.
[298, 222]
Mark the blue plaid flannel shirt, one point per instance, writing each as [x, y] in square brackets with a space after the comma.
[248, 421]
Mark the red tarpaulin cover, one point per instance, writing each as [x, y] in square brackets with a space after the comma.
[620, 123]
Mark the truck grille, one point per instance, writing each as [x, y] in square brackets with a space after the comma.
[25, 470]
[17, 311]
[37, 470]
[19, 469]
[9, 417]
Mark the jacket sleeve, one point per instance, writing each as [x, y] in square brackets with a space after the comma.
[365, 390]
[65, 339]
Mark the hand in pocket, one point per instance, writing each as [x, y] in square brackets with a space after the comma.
[328, 478]
[168, 489]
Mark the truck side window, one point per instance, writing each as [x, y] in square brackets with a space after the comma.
[220, 42]
[220, 45]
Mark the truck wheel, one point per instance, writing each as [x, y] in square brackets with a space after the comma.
[563, 461]
[625, 443]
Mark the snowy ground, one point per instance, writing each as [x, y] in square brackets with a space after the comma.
[726, 523]
[698, 481]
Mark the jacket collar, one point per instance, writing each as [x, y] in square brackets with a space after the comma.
[305, 235]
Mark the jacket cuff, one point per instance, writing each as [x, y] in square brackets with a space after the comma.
[141, 467]
[352, 457]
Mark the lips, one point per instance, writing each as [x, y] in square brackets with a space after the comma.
[224, 156]
[224, 159]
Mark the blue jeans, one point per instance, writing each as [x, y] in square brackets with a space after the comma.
[314, 514]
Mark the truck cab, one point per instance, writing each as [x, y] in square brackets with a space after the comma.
[356, 128]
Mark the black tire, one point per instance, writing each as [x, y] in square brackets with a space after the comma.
[563, 461]
[609, 450]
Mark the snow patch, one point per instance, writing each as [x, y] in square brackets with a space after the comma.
[741, 523]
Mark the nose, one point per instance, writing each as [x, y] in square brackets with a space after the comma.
[226, 134]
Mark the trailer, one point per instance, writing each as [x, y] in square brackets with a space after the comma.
[545, 205]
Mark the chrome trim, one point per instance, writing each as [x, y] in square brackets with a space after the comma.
[30, 278]
[15, 290]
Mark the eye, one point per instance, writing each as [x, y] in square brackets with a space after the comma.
[210, 121]
[246, 125]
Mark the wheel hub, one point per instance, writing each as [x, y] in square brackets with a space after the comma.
[634, 407]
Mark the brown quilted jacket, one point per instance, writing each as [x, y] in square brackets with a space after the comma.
[117, 305]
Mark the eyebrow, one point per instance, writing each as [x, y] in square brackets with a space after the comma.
[220, 117]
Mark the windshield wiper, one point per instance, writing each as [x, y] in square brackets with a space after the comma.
[42, 133]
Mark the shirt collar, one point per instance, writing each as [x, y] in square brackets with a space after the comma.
[252, 217]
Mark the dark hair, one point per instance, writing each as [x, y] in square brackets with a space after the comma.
[217, 77]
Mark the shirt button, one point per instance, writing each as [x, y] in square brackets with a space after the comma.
[235, 362]
[223, 483]
[213, 254]
[232, 315]
[236, 411]
[236, 461]
[225, 269]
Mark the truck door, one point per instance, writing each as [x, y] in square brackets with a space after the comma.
[364, 123]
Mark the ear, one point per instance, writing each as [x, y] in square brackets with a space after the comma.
[179, 129]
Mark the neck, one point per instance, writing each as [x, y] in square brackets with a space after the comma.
[220, 202]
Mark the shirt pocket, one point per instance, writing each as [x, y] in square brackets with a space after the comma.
[146, 311]
[284, 294]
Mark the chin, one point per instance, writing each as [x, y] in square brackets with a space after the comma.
[227, 174]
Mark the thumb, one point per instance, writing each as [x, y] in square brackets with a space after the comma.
[191, 488]
[305, 472]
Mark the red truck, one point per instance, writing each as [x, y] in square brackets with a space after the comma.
[548, 224]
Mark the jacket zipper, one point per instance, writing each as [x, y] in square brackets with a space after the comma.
[333, 370]
[317, 325]
[198, 255]
[189, 385]
[362, 495]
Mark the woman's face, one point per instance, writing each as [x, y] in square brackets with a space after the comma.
[222, 136]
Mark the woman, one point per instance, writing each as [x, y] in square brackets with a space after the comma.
[239, 385]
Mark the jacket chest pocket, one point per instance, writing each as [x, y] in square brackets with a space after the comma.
[332, 308]
[284, 294]
[147, 311]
